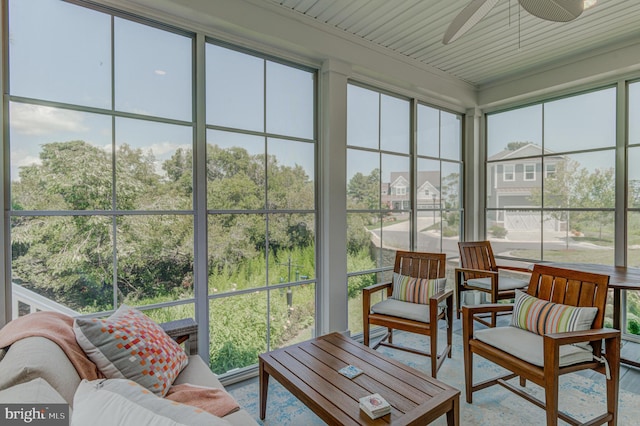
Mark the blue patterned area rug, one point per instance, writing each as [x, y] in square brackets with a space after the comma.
[580, 397]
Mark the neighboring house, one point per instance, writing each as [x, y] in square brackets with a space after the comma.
[396, 194]
[513, 178]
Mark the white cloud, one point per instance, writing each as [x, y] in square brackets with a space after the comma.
[36, 120]
[160, 72]
[161, 149]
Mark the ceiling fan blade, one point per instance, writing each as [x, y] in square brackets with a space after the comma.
[554, 10]
[467, 18]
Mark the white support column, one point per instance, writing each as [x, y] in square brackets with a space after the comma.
[474, 190]
[332, 298]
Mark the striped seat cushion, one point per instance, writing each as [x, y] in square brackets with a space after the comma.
[416, 290]
[544, 317]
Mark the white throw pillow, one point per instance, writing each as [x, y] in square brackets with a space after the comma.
[117, 402]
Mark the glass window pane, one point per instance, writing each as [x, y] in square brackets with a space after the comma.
[291, 315]
[428, 131]
[450, 135]
[428, 186]
[517, 233]
[238, 331]
[235, 89]
[508, 132]
[60, 159]
[363, 179]
[355, 285]
[633, 239]
[396, 183]
[430, 231]
[359, 239]
[155, 258]
[634, 114]
[235, 171]
[363, 117]
[450, 189]
[292, 248]
[582, 181]
[394, 124]
[171, 313]
[237, 255]
[153, 71]
[290, 172]
[64, 260]
[514, 184]
[50, 60]
[145, 152]
[579, 236]
[585, 121]
[633, 176]
[290, 104]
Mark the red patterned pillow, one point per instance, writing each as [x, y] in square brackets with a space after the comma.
[130, 345]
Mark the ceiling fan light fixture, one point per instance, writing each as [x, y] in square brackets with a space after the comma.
[554, 10]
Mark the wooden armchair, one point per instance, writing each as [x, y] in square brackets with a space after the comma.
[479, 271]
[412, 317]
[551, 351]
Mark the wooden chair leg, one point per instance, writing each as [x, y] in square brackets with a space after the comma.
[612, 353]
[467, 333]
[390, 335]
[433, 341]
[551, 400]
[449, 326]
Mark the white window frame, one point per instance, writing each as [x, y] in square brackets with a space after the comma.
[525, 172]
[513, 172]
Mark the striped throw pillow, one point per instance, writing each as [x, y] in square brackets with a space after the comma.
[543, 317]
[416, 290]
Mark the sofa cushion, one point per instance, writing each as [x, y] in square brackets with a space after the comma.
[35, 391]
[198, 373]
[528, 346]
[130, 345]
[35, 357]
[544, 317]
[111, 402]
[416, 290]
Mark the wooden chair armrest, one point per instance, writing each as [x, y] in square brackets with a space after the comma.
[570, 337]
[376, 287]
[486, 308]
[441, 296]
[183, 331]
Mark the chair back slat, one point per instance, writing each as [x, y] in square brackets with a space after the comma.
[570, 287]
[476, 255]
[420, 265]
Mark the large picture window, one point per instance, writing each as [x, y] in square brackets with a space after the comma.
[402, 194]
[567, 212]
[105, 184]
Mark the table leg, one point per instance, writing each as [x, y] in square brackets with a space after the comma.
[264, 386]
[453, 415]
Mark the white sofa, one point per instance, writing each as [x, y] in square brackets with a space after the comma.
[36, 370]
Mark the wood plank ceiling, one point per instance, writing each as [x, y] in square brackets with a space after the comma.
[507, 42]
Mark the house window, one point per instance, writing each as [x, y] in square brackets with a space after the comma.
[508, 173]
[401, 190]
[529, 172]
[550, 171]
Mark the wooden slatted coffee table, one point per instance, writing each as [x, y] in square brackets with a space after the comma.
[309, 370]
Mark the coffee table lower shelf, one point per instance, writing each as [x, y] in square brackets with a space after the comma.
[309, 370]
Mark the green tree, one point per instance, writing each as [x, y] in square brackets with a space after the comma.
[363, 192]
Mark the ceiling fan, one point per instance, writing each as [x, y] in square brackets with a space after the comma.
[550, 10]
